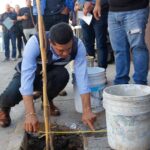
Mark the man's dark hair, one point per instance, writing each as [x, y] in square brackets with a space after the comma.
[61, 33]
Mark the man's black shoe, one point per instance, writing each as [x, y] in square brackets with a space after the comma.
[5, 119]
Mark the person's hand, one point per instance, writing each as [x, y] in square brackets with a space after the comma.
[88, 7]
[31, 123]
[24, 17]
[88, 118]
[97, 12]
[65, 11]
[14, 21]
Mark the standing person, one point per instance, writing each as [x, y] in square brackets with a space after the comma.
[28, 19]
[61, 49]
[97, 29]
[126, 24]
[19, 33]
[8, 20]
[54, 11]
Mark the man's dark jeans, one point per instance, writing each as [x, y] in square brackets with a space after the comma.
[97, 29]
[57, 79]
[9, 35]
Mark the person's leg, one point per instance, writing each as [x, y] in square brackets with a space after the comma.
[13, 42]
[88, 37]
[24, 38]
[26, 33]
[9, 98]
[6, 45]
[19, 44]
[32, 31]
[57, 79]
[100, 28]
[120, 45]
[11, 95]
[136, 25]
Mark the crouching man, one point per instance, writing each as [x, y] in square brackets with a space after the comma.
[62, 47]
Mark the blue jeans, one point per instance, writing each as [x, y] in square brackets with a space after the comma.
[127, 32]
[98, 30]
[10, 36]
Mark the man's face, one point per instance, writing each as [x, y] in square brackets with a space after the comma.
[17, 8]
[7, 8]
[28, 3]
[62, 50]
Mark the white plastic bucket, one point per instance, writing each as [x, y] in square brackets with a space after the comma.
[97, 82]
[128, 116]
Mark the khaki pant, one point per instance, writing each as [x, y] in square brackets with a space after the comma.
[29, 32]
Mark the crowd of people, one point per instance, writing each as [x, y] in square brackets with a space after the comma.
[126, 23]
[18, 24]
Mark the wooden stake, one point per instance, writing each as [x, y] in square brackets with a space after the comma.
[43, 45]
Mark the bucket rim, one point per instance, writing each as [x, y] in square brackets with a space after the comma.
[105, 91]
[101, 70]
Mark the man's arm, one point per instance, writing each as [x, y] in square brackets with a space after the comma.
[88, 117]
[28, 69]
[88, 7]
[97, 10]
[80, 69]
[22, 15]
[21, 18]
[31, 121]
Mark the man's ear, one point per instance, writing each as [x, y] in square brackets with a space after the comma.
[51, 42]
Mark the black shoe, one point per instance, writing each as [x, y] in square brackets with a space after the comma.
[19, 56]
[5, 119]
[63, 93]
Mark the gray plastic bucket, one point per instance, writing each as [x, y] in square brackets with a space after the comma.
[128, 116]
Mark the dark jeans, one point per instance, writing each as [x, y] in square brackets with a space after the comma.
[10, 36]
[20, 41]
[97, 29]
[57, 79]
[51, 20]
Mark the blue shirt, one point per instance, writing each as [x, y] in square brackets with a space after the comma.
[67, 3]
[93, 1]
[29, 65]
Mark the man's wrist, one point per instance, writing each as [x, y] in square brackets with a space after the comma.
[30, 114]
[88, 109]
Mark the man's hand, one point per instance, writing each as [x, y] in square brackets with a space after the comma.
[20, 18]
[88, 118]
[88, 7]
[24, 17]
[31, 123]
[65, 11]
[97, 11]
